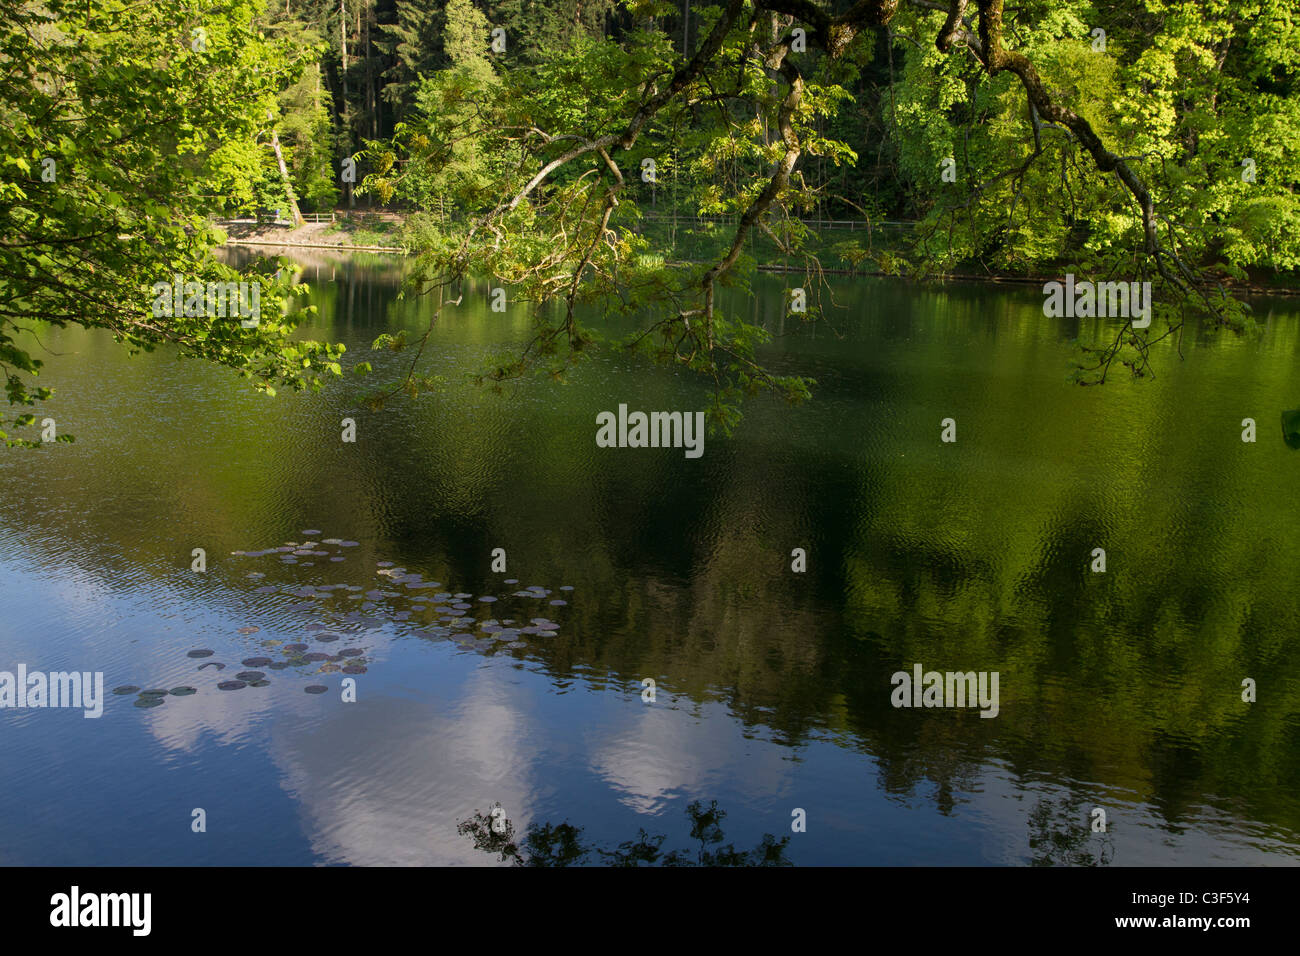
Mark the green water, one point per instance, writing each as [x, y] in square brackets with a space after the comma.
[1119, 690]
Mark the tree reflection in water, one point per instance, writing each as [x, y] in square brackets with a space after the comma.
[549, 844]
[1058, 838]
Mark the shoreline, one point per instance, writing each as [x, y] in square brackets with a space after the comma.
[772, 268]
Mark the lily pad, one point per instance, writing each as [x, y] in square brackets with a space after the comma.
[148, 701]
[125, 689]
[251, 629]
[255, 661]
[351, 652]
[231, 685]
[201, 652]
[183, 691]
[155, 692]
[215, 664]
[315, 656]
[259, 683]
[354, 669]
[295, 647]
[249, 676]
[315, 689]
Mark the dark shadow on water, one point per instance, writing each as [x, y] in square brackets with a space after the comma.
[1057, 838]
[549, 844]
[1291, 428]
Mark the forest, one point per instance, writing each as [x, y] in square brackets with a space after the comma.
[637, 156]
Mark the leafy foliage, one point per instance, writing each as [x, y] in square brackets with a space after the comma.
[119, 130]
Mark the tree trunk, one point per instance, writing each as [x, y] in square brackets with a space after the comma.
[343, 111]
[288, 183]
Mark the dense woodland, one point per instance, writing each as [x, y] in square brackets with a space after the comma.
[552, 146]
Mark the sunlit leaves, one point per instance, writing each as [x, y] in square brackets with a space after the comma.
[147, 134]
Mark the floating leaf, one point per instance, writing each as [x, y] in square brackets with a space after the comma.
[315, 689]
[183, 691]
[125, 689]
[231, 685]
[202, 652]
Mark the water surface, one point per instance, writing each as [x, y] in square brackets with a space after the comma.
[1119, 690]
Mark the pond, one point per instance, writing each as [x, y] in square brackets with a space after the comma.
[484, 695]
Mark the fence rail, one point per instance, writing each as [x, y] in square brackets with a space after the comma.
[850, 224]
[282, 220]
